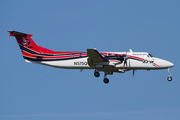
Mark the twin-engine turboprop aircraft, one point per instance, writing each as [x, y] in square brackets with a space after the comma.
[107, 62]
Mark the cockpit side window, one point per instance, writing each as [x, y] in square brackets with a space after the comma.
[145, 55]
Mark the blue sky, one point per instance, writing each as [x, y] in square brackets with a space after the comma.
[31, 91]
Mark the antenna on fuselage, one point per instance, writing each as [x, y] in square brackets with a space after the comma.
[130, 50]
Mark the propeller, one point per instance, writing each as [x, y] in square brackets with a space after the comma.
[125, 59]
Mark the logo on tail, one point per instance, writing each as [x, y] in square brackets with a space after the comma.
[26, 41]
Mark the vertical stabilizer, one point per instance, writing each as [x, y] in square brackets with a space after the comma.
[28, 47]
[25, 42]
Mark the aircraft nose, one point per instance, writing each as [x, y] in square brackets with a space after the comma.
[165, 63]
[170, 64]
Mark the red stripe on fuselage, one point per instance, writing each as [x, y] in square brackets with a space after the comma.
[156, 64]
[76, 54]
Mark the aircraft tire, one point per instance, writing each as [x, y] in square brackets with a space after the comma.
[106, 80]
[169, 78]
[96, 74]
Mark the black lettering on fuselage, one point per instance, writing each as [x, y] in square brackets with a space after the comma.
[146, 61]
[80, 63]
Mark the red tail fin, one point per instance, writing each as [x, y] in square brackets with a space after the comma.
[25, 41]
[27, 44]
[34, 53]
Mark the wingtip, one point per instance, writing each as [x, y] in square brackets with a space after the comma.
[91, 49]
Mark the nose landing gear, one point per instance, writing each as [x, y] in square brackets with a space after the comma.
[169, 78]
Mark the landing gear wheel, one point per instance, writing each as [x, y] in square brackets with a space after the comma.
[106, 80]
[96, 74]
[169, 78]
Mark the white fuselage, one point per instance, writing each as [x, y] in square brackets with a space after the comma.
[136, 60]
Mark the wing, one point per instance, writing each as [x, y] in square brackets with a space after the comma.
[95, 59]
[95, 56]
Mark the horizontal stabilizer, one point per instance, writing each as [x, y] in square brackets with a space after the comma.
[13, 33]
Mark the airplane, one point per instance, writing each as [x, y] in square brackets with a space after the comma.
[107, 62]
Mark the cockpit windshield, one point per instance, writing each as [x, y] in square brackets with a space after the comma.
[150, 55]
[147, 55]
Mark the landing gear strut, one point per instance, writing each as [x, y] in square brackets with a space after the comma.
[169, 78]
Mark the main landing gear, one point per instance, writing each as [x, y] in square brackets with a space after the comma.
[106, 80]
[97, 74]
[169, 78]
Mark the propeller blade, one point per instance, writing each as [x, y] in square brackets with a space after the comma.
[125, 58]
[133, 72]
[125, 62]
